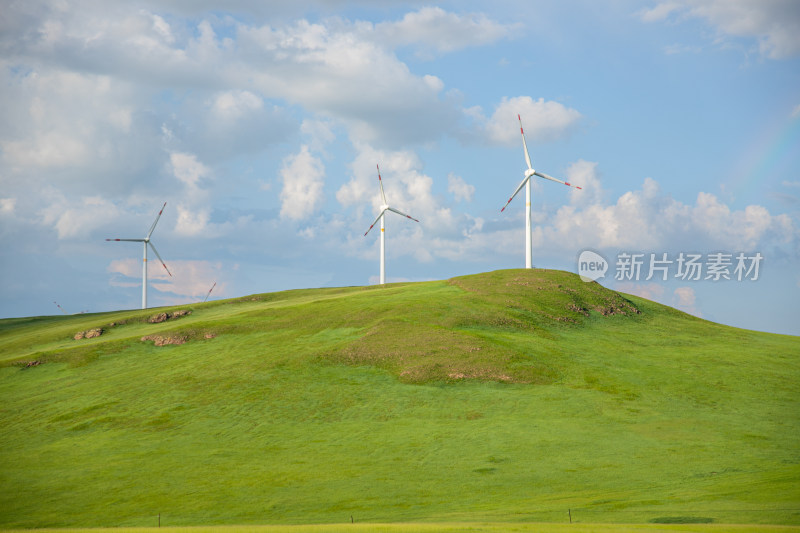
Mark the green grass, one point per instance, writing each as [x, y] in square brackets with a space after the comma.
[513, 397]
[466, 527]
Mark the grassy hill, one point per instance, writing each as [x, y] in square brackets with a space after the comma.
[519, 395]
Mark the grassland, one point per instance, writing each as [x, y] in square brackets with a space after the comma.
[510, 397]
[466, 527]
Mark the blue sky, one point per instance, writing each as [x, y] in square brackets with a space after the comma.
[260, 124]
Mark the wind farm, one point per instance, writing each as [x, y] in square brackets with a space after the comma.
[321, 355]
[453, 381]
[516, 399]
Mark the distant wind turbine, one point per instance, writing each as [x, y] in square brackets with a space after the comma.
[209, 291]
[61, 308]
[385, 207]
[530, 172]
[145, 242]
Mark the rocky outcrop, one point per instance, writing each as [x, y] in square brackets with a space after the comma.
[163, 317]
[88, 334]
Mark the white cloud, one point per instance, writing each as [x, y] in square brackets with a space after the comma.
[7, 206]
[650, 291]
[190, 280]
[461, 190]
[660, 12]
[77, 219]
[647, 219]
[774, 23]
[685, 299]
[543, 120]
[303, 180]
[71, 129]
[320, 133]
[234, 105]
[336, 68]
[584, 175]
[345, 72]
[191, 221]
[50, 149]
[437, 29]
[188, 169]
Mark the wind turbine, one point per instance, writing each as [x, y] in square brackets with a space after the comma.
[145, 242]
[530, 172]
[384, 207]
[209, 292]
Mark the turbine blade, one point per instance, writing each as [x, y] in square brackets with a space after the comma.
[392, 209]
[380, 181]
[156, 221]
[551, 178]
[376, 221]
[521, 185]
[127, 240]
[524, 144]
[159, 258]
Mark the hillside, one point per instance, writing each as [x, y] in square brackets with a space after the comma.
[516, 395]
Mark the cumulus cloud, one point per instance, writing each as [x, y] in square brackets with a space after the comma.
[191, 221]
[303, 178]
[7, 206]
[325, 67]
[188, 169]
[775, 24]
[433, 28]
[75, 131]
[650, 291]
[328, 68]
[647, 219]
[584, 175]
[233, 105]
[77, 219]
[542, 120]
[461, 190]
[190, 280]
[684, 299]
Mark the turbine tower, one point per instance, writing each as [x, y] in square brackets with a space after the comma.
[384, 207]
[145, 242]
[530, 172]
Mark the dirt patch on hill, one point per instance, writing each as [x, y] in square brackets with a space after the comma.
[163, 317]
[163, 340]
[182, 337]
[88, 334]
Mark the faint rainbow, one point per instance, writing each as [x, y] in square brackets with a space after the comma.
[766, 158]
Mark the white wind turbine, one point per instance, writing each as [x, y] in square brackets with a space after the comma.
[145, 242]
[530, 172]
[385, 207]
